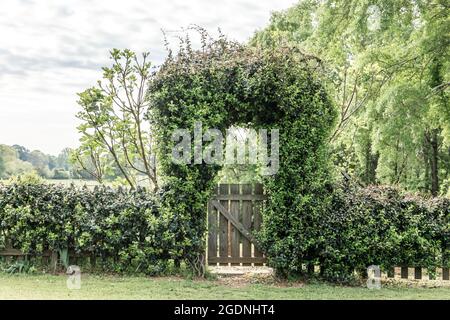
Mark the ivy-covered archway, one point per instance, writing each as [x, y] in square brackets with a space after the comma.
[226, 84]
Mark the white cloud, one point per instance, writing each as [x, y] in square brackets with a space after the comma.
[51, 50]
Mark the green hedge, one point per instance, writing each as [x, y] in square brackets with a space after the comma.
[382, 226]
[125, 226]
[364, 226]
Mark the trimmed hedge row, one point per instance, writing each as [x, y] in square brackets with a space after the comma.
[382, 226]
[124, 225]
[370, 226]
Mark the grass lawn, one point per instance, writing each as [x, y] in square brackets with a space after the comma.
[115, 287]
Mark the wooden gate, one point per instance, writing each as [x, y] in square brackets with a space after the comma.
[234, 213]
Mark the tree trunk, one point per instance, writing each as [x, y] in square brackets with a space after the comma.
[426, 160]
[370, 173]
[395, 178]
[431, 139]
[434, 163]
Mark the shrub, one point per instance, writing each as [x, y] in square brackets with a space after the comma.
[122, 225]
[382, 226]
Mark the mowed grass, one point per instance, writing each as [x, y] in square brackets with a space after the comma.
[115, 287]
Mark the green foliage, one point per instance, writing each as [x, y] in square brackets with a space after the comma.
[2, 166]
[26, 178]
[124, 225]
[11, 164]
[388, 70]
[16, 160]
[23, 266]
[115, 137]
[61, 174]
[381, 226]
[226, 84]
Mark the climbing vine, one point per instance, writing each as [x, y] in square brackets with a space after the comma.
[226, 84]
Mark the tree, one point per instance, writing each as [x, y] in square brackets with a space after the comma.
[91, 162]
[40, 162]
[23, 153]
[112, 118]
[12, 165]
[2, 166]
[387, 60]
[63, 159]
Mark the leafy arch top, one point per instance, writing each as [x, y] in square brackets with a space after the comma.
[226, 83]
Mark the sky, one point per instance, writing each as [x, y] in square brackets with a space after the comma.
[52, 49]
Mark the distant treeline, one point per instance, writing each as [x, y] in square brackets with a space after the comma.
[16, 160]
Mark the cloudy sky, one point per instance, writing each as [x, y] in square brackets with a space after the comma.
[52, 49]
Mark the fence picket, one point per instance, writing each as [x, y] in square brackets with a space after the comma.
[257, 217]
[235, 234]
[223, 225]
[212, 231]
[247, 210]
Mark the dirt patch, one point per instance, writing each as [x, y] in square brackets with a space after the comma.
[233, 282]
[240, 270]
[267, 280]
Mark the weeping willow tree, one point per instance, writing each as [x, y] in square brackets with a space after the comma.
[388, 70]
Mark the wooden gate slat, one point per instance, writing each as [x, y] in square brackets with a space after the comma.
[223, 224]
[247, 208]
[235, 234]
[212, 230]
[257, 218]
[224, 212]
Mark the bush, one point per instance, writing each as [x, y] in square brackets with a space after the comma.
[120, 225]
[26, 178]
[382, 226]
[61, 174]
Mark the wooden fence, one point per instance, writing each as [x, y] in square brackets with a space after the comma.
[417, 274]
[410, 273]
[50, 259]
[47, 257]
